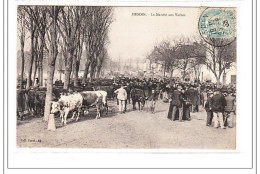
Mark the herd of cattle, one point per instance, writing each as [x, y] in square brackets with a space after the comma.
[76, 100]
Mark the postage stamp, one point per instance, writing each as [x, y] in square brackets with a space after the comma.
[217, 26]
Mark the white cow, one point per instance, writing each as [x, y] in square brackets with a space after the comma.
[72, 102]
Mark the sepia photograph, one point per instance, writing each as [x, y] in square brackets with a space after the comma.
[126, 77]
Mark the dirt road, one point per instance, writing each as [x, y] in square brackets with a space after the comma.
[133, 129]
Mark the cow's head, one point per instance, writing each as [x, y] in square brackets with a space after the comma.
[55, 107]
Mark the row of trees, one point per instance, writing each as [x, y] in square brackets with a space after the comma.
[62, 30]
[185, 55]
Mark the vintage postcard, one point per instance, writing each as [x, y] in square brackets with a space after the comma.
[132, 85]
[115, 77]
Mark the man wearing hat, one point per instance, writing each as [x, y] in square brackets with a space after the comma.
[207, 108]
[230, 108]
[193, 97]
[217, 105]
[176, 103]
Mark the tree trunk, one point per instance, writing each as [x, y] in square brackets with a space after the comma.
[218, 81]
[98, 71]
[68, 70]
[76, 73]
[36, 59]
[85, 76]
[171, 73]
[29, 80]
[92, 71]
[183, 76]
[40, 59]
[41, 76]
[22, 56]
[35, 71]
[53, 52]
[164, 69]
[67, 79]
[48, 98]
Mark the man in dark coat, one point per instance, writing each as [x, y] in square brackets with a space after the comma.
[217, 105]
[176, 104]
[209, 112]
[186, 106]
[230, 108]
[193, 97]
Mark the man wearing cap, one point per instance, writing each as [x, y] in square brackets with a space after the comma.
[122, 97]
[217, 105]
[230, 108]
[176, 103]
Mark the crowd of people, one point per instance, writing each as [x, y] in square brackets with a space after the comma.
[184, 98]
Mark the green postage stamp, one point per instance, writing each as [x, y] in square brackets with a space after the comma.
[218, 23]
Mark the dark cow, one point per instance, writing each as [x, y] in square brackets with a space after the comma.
[33, 99]
[22, 103]
[138, 96]
[93, 98]
[128, 89]
[109, 89]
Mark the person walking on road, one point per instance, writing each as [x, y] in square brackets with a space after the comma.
[217, 106]
[152, 100]
[176, 104]
[122, 97]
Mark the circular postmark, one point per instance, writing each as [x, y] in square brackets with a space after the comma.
[217, 26]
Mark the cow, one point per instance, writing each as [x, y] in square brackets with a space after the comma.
[66, 104]
[37, 98]
[93, 98]
[31, 101]
[104, 99]
[138, 96]
[108, 89]
[22, 103]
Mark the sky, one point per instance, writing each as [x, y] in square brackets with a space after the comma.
[135, 36]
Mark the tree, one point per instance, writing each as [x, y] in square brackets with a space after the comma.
[78, 55]
[218, 58]
[186, 57]
[53, 13]
[69, 26]
[32, 28]
[165, 55]
[40, 20]
[21, 34]
[102, 58]
[97, 22]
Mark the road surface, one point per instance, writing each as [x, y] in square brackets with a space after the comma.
[133, 129]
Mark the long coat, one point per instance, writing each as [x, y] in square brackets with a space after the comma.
[193, 97]
[177, 100]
